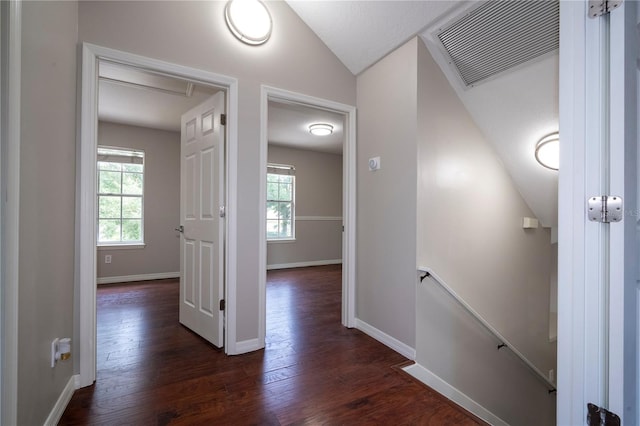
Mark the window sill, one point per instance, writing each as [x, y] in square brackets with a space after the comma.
[288, 240]
[121, 246]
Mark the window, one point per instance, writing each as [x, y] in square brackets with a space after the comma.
[120, 196]
[280, 202]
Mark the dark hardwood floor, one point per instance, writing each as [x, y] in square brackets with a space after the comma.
[153, 371]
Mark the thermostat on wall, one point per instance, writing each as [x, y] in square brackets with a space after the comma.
[374, 164]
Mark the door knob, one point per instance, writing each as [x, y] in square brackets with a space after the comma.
[180, 228]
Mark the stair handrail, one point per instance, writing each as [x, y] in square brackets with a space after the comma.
[504, 343]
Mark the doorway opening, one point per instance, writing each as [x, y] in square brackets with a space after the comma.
[282, 106]
[87, 208]
[304, 219]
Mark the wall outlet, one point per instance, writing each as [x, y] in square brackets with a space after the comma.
[107, 258]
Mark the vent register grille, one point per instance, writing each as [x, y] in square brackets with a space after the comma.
[500, 35]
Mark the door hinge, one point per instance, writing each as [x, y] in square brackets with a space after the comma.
[223, 305]
[223, 119]
[601, 7]
[605, 208]
[598, 416]
[222, 212]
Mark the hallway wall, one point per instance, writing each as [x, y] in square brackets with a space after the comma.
[157, 30]
[47, 202]
[386, 233]
[470, 234]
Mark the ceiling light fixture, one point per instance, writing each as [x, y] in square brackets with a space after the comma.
[249, 21]
[321, 129]
[548, 151]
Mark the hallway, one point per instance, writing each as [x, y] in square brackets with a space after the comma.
[152, 370]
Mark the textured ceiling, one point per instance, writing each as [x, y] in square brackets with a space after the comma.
[360, 33]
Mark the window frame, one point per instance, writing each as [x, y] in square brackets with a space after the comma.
[286, 170]
[121, 244]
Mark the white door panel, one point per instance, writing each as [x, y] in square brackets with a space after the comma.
[201, 243]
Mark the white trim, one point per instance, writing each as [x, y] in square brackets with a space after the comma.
[231, 223]
[450, 392]
[246, 346]
[262, 217]
[623, 255]
[382, 337]
[63, 400]
[121, 247]
[85, 258]
[282, 241]
[10, 211]
[349, 221]
[320, 218]
[86, 199]
[304, 264]
[268, 93]
[581, 286]
[139, 277]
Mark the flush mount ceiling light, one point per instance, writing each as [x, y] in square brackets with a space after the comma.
[248, 20]
[321, 129]
[548, 151]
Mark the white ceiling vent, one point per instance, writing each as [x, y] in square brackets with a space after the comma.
[498, 36]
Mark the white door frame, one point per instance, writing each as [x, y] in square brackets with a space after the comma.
[590, 300]
[580, 345]
[623, 299]
[11, 16]
[85, 259]
[268, 93]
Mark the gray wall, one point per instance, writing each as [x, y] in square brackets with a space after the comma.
[318, 195]
[50, 32]
[442, 199]
[293, 59]
[161, 202]
[386, 203]
[47, 202]
[470, 233]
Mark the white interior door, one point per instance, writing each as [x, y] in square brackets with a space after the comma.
[201, 214]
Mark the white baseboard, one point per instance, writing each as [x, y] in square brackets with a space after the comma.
[140, 277]
[304, 264]
[62, 402]
[247, 346]
[382, 337]
[445, 389]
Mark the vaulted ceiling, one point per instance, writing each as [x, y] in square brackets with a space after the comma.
[513, 109]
